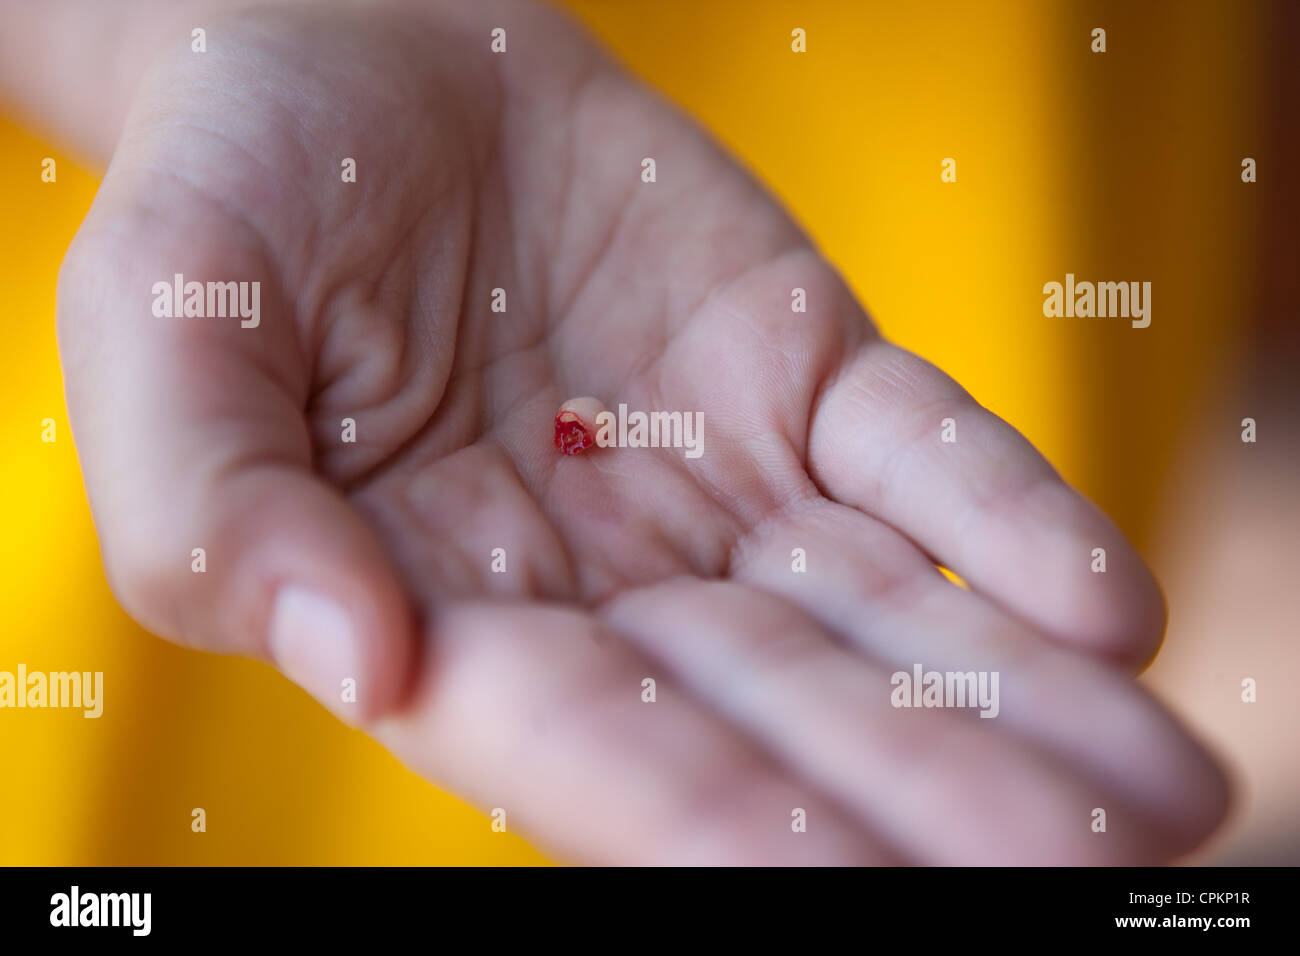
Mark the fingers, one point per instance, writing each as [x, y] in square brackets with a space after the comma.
[198, 466]
[866, 583]
[542, 713]
[900, 440]
[939, 788]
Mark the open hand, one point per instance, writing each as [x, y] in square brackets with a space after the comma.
[371, 561]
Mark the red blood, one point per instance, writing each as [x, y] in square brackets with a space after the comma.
[572, 435]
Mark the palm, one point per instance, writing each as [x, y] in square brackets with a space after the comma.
[625, 564]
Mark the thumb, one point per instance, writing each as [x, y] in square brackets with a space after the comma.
[198, 461]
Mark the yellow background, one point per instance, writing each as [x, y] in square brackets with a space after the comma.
[1122, 166]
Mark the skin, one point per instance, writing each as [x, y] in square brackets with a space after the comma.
[523, 690]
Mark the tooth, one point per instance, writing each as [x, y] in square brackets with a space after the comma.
[575, 424]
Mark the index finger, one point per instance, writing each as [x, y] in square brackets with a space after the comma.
[897, 438]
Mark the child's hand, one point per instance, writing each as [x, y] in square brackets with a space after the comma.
[373, 560]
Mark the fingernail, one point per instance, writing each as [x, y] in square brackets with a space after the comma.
[313, 641]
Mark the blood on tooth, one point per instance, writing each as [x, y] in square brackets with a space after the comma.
[575, 425]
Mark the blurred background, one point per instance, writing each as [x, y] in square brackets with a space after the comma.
[1123, 165]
